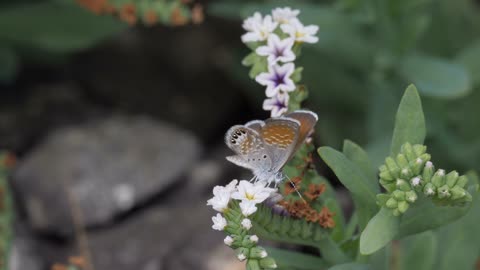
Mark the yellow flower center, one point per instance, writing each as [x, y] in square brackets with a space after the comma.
[249, 197]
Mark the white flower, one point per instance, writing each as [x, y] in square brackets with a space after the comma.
[277, 50]
[258, 28]
[254, 238]
[416, 181]
[441, 172]
[255, 193]
[251, 23]
[221, 198]
[228, 240]
[300, 32]
[278, 104]
[429, 164]
[246, 223]
[241, 257]
[219, 222]
[284, 15]
[277, 79]
[263, 254]
[248, 208]
[232, 186]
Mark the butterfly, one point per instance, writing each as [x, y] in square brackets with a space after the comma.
[264, 147]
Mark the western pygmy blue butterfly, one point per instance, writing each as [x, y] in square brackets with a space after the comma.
[265, 147]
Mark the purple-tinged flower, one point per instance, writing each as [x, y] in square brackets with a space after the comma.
[296, 30]
[277, 50]
[277, 79]
[278, 104]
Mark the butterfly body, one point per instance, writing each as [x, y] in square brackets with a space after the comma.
[264, 147]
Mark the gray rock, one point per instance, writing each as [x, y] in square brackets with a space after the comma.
[102, 169]
[157, 239]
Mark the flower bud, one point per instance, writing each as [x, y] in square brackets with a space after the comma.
[399, 195]
[407, 150]
[419, 149]
[268, 263]
[411, 196]
[385, 174]
[406, 173]
[392, 167]
[228, 240]
[391, 203]
[451, 179]
[396, 212]
[416, 182]
[443, 192]
[258, 253]
[458, 192]
[253, 265]
[428, 172]
[402, 206]
[403, 185]
[254, 238]
[242, 253]
[462, 181]
[402, 161]
[382, 199]
[429, 189]
[438, 178]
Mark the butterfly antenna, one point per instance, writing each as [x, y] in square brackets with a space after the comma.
[295, 187]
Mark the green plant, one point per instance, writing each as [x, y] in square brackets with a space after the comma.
[418, 208]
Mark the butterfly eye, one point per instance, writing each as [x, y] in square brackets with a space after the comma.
[233, 141]
[239, 133]
[235, 136]
[264, 156]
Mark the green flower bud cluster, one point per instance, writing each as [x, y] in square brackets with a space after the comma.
[243, 242]
[411, 173]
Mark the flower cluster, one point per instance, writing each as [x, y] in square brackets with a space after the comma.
[236, 202]
[276, 40]
[176, 12]
[411, 173]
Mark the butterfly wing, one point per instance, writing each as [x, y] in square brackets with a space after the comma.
[279, 137]
[249, 147]
[307, 120]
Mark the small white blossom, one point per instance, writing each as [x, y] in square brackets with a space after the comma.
[241, 257]
[221, 198]
[219, 222]
[429, 164]
[259, 29]
[250, 23]
[228, 240]
[277, 105]
[284, 15]
[416, 181]
[232, 186]
[405, 171]
[254, 238]
[430, 191]
[248, 208]
[277, 79]
[263, 254]
[277, 50]
[255, 193]
[419, 161]
[246, 223]
[441, 172]
[299, 32]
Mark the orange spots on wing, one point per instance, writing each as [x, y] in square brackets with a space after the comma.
[280, 135]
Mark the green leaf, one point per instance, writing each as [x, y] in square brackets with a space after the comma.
[362, 188]
[469, 57]
[351, 226]
[54, 26]
[289, 259]
[409, 121]
[350, 266]
[297, 75]
[357, 155]
[381, 229]
[436, 77]
[423, 215]
[462, 241]
[9, 64]
[418, 252]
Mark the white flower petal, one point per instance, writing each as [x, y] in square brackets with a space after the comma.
[219, 222]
